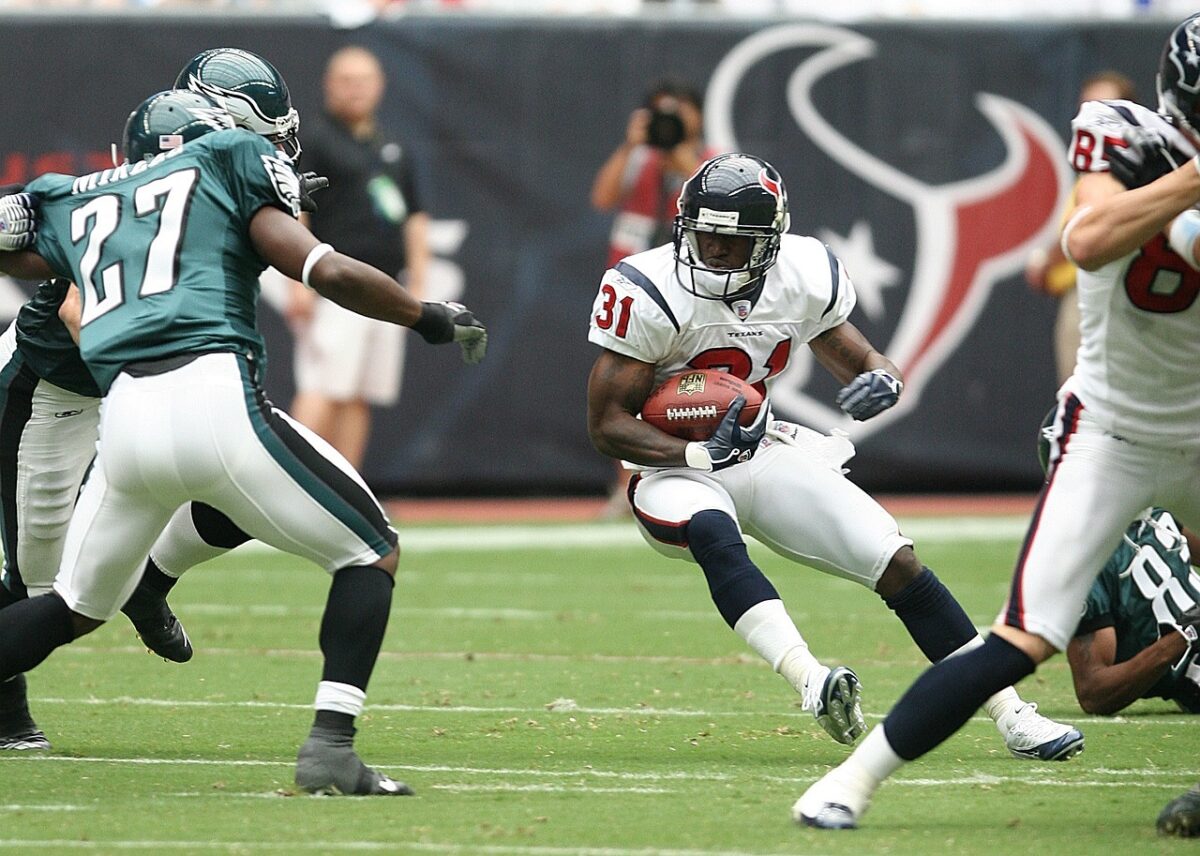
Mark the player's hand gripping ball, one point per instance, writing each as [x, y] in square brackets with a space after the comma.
[691, 404]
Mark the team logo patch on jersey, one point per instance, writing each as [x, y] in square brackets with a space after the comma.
[284, 180]
[741, 308]
[691, 383]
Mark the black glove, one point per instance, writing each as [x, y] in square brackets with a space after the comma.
[441, 323]
[1144, 157]
[869, 394]
[310, 183]
[731, 443]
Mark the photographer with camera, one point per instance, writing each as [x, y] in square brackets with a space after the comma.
[641, 179]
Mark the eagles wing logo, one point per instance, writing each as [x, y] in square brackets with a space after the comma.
[284, 180]
[969, 233]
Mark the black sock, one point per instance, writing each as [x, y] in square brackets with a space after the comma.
[948, 693]
[331, 720]
[932, 616]
[735, 582]
[14, 707]
[152, 589]
[30, 630]
[356, 616]
[7, 598]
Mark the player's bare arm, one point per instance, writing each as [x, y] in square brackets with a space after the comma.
[845, 352]
[70, 312]
[285, 243]
[1104, 686]
[1110, 222]
[617, 388]
[25, 264]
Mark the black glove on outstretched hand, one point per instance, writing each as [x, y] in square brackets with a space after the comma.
[441, 323]
[869, 394]
[310, 183]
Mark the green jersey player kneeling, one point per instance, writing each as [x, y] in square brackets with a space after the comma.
[166, 251]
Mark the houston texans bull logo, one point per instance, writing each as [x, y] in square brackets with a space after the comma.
[969, 234]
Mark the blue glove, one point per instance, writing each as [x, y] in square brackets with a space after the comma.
[731, 443]
[870, 394]
[1144, 156]
[18, 221]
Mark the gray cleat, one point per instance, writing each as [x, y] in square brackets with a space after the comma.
[327, 764]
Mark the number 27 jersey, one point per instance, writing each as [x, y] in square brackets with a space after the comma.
[160, 249]
[644, 311]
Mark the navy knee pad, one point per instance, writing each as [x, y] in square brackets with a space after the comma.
[735, 582]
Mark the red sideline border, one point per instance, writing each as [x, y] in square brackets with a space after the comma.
[588, 509]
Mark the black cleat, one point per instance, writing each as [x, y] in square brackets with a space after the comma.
[1181, 816]
[164, 635]
[327, 764]
[33, 739]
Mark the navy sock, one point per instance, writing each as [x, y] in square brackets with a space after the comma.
[30, 630]
[932, 616]
[948, 693]
[352, 628]
[735, 582]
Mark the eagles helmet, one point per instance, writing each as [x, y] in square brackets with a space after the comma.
[167, 120]
[250, 89]
[1178, 81]
[731, 194]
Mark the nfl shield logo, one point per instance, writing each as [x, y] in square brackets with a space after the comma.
[691, 384]
[741, 308]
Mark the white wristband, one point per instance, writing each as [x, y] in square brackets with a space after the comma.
[317, 253]
[1182, 235]
[697, 457]
[1196, 162]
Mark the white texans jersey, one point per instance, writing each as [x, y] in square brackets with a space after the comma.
[1138, 368]
[643, 310]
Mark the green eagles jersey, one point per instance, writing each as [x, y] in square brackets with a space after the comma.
[1148, 581]
[161, 251]
[47, 346]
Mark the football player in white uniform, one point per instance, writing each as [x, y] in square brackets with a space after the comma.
[733, 292]
[1127, 429]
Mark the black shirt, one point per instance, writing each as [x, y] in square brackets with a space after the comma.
[371, 192]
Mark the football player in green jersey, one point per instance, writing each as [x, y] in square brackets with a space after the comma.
[166, 253]
[1137, 637]
[49, 411]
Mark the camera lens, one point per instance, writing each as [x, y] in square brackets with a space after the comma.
[665, 130]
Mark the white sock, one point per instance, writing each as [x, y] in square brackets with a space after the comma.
[769, 630]
[340, 698]
[874, 759]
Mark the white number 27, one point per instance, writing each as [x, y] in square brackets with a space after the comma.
[98, 220]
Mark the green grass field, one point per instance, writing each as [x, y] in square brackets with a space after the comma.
[554, 690]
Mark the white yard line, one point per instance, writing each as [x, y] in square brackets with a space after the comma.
[625, 535]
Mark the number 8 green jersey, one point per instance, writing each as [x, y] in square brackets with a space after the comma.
[161, 250]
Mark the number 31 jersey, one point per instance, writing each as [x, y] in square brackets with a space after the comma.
[1136, 372]
[643, 310]
[161, 251]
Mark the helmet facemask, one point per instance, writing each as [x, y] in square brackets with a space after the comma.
[716, 283]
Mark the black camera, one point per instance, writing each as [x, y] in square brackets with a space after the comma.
[665, 129]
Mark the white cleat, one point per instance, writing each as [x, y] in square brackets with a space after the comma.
[832, 695]
[1035, 737]
[834, 801]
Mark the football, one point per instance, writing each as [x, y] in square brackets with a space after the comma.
[691, 404]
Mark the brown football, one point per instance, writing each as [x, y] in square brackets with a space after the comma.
[691, 404]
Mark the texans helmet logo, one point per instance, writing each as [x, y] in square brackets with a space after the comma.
[969, 233]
